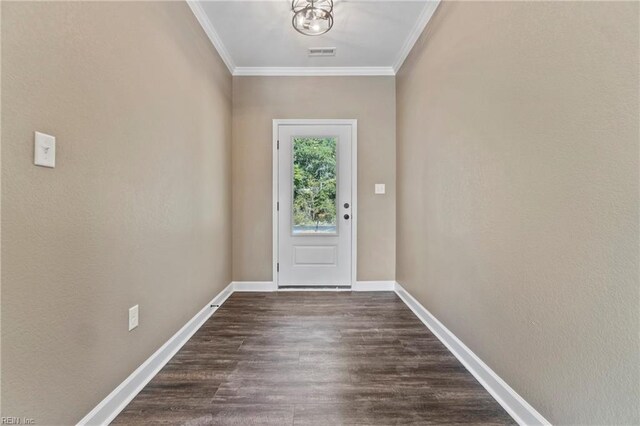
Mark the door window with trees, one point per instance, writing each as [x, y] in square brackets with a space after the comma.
[314, 185]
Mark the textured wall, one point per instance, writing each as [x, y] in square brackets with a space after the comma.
[518, 196]
[137, 210]
[256, 102]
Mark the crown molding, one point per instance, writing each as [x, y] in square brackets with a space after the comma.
[421, 23]
[312, 71]
[206, 25]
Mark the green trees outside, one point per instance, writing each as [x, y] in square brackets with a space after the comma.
[314, 183]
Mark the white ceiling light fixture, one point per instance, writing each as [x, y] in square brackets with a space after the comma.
[312, 17]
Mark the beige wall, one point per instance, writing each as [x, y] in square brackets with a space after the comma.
[256, 102]
[517, 192]
[518, 196]
[137, 210]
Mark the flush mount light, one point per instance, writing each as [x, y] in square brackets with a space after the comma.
[312, 17]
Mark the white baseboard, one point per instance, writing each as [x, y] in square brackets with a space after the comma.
[116, 401]
[374, 286]
[514, 404]
[253, 286]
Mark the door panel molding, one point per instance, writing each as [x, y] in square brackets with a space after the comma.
[353, 123]
[315, 255]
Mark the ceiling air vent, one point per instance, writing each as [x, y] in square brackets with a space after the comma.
[322, 51]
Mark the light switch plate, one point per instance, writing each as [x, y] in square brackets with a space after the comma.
[380, 188]
[133, 317]
[45, 150]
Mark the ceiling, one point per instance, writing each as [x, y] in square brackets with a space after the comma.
[257, 38]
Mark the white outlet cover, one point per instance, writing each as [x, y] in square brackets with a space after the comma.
[379, 188]
[44, 150]
[133, 317]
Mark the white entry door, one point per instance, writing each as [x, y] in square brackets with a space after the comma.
[314, 204]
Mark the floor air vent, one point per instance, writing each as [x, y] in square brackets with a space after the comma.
[314, 287]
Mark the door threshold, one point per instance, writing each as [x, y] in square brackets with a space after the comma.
[314, 288]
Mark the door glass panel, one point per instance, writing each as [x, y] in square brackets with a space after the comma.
[314, 185]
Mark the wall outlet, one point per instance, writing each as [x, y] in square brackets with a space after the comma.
[379, 188]
[133, 317]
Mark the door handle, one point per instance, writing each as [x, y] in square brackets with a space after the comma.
[346, 205]
[346, 216]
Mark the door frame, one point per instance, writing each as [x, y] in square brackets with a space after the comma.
[354, 187]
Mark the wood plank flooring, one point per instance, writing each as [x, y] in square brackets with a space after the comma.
[319, 358]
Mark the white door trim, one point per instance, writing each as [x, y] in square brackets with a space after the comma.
[354, 186]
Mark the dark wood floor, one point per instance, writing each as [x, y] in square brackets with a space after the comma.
[313, 358]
